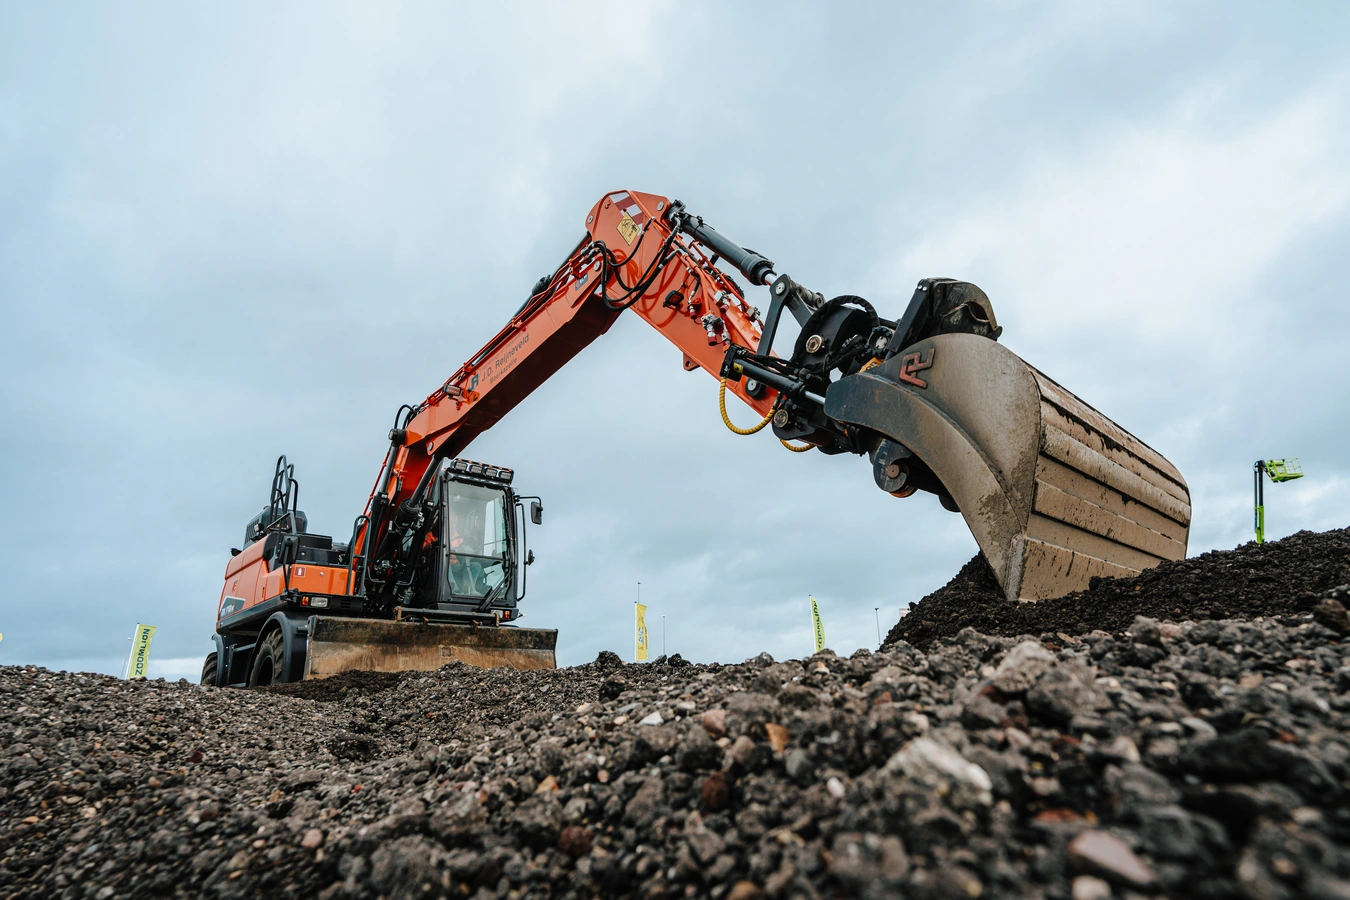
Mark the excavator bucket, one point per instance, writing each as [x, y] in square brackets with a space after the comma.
[1054, 492]
[379, 645]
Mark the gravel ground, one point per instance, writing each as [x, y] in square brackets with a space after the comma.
[1282, 577]
[1203, 759]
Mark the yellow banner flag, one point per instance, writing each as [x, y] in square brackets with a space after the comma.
[140, 651]
[817, 625]
[640, 635]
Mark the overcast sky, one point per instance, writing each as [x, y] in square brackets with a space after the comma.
[236, 231]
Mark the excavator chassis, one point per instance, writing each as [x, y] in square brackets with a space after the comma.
[1054, 492]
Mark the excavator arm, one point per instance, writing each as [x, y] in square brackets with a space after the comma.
[640, 252]
[1054, 492]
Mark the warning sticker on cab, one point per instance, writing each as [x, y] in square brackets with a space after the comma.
[628, 228]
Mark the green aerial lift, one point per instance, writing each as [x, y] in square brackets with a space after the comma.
[1277, 470]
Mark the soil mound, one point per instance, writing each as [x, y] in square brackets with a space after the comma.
[1278, 578]
[346, 686]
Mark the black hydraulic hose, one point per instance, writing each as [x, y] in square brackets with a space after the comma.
[635, 293]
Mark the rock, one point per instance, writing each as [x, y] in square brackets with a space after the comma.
[1121, 747]
[863, 861]
[575, 810]
[458, 819]
[1064, 691]
[935, 765]
[1102, 853]
[741, 750]
[798, 696]
[697, 752]
[302, 780]
[1199, 727]
[1145, 631]
[653, 718]
[612, 688]
[643, 809]
[312, 840]
[778, 736]
[705, 845]
[715, 793]
[748, 711]
[1331, 614]
[1020, 668]
[745, 890]
[1244, 755]
[714, 722]
[608, 659]
[1136, 787]
[575, 841]
[797, 763]
[1086, 887]
[981, 712]
[539, 821]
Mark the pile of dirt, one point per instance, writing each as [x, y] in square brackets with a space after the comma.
[1279, 578]
[348, 685]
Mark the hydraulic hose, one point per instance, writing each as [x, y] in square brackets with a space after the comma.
[726, 420]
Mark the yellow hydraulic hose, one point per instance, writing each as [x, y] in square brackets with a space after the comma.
[726, 420]
[722, 404]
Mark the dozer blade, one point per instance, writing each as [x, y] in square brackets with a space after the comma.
[379, 645]
[1053, 491]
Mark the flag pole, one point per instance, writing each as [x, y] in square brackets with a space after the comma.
[126, 665]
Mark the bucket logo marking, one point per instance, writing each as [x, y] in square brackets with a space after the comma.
[913, 364]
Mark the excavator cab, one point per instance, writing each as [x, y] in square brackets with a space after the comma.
[294, 605]
[471, 569]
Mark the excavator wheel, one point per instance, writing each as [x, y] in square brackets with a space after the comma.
[269, 662]
[209, 670]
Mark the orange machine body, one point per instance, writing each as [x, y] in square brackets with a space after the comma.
[249, 582]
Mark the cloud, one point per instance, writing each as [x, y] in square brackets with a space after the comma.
[1159, 232]
[226, 234]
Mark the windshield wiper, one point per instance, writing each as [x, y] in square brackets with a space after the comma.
[493, 594]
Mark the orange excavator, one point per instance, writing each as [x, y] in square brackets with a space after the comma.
[1054, 492]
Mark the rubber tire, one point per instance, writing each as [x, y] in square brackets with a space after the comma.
[269, 662]
[209, 670]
